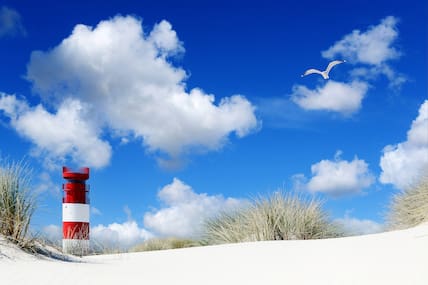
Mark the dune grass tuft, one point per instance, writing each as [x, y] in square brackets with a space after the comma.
[409, 208]
[17, 202]
[278, 216]
[164, 244]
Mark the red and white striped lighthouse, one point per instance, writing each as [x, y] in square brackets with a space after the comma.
[75, 211]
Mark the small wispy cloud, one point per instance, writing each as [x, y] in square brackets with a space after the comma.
[10, 23]
[95, 211]
[281, 112]
[396, 79]
[44, 184]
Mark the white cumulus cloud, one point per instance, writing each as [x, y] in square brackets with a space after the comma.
[339, 177]
[373, 49]
[124, 77]
[373, 46]
[118, 235]
[355, 226]
[369, 52]
[184, 210]
[59, 135]
[181, 214]
[344, 98]
[403, 163]
[52, 233]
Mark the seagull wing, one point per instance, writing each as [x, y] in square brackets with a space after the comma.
[310, 71]
[333, 63]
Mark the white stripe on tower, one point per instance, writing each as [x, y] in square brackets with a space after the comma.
[73, 212]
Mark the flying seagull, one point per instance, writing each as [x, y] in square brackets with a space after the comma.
[324, 73]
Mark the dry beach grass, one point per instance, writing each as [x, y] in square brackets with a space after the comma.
[279, 216]
[410, 207]
[17, 202]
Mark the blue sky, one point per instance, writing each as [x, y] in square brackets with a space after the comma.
[184, 109]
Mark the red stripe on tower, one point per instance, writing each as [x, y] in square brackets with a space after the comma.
[75, 211]
[72, 229]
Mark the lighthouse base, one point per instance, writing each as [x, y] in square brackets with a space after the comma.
[75, 246]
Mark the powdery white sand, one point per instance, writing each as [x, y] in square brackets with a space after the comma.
[399, 257]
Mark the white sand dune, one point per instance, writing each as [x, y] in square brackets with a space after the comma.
[399, 257]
